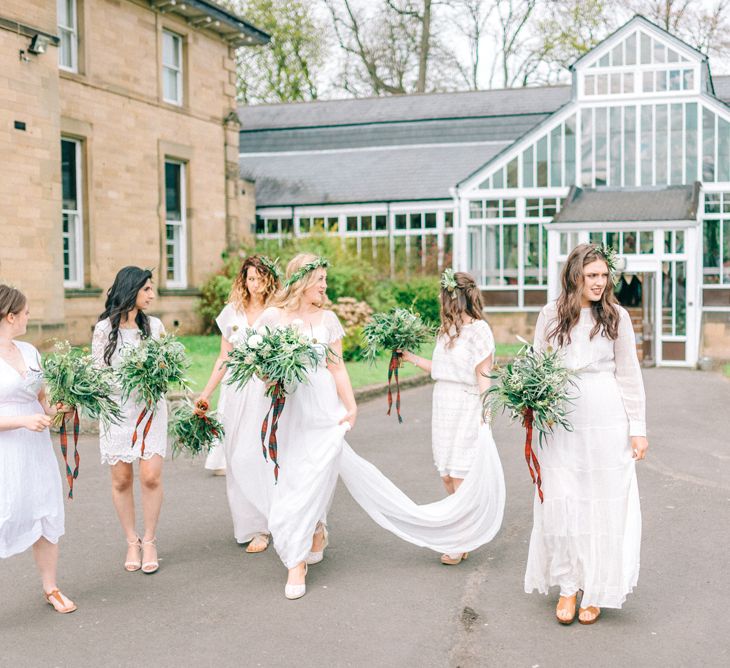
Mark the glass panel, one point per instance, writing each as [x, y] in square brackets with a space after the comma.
[587, 148]
[173, 191]
[647, 135]
[169, 82]
[645, 49]
[528, 167]
[660, 52]
[595, 237]
[416, 221]
[509, 253]
[725, 251]
[617, 55]
[491, 208]
[711, 251]
[401, 220]
[542, 168]
[679, 241]
[631, 49]
[287, 226]
[474, 253]
[712, 203]
[486, 184]
[672, 56]
[629, 146]
[690, 156]
[532, 254]
[563, 243]
[381, 222]
[556, 154]
[708, 145]
[646, 242]
[490, 250]
[660, 144]
[604, 60]
[449, 219]
[570, 151]
[549, 207]
[498, 179]
[616, 156]
[648, 82]
[68, 174]
[675, 80]
[509, 208]
[628, 82]
[675, 144]
[366, 224]
[260, 225]
[602, 84]
[170, 50]
[615, 83]
[612, 239]
[689, 79]
[512, 174]
[601, 116]
[532, 208]
[629, 242]
[725, 202]
[65, 57]
[305, 225]
[680, 298]
[723, 149]
[351, 223]
[661, 81]
[430, 221]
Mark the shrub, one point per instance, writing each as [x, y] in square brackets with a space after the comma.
[351, 312]
[419, 294]
[353, 348]
[213, 296]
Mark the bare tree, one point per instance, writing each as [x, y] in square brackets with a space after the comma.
[470, 21]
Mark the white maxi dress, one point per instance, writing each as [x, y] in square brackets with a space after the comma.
[115, 441]
[31, 498]
[587, 533]
[313, 453]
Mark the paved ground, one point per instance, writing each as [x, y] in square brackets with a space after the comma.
[376, 601]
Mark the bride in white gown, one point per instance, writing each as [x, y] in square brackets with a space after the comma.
[313, 453]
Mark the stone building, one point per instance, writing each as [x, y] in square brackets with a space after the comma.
[119, 145]
[635, 153]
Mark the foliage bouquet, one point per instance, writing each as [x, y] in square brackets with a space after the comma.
[282, 357]
[72, 379]
[401, 329]
[533, 388]
[194, 431]
[147, 372]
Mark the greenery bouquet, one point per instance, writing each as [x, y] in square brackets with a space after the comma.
[72, 379]
[401, 329]
[194, 431]
[282, 357]
[534, 388]
[147, 372]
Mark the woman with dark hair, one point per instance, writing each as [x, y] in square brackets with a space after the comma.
[31, 499]
[461, 361]
[586, 535]
[248, 495]
[125, 323]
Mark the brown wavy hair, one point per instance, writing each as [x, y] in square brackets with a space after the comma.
[605, 311]
[12, 301]
[465, 300]
[240, 297]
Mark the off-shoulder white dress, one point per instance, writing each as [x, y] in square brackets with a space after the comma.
[587, 533]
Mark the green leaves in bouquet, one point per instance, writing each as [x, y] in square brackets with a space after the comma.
[192, 433]
[532, 380]
[149, 370]
[400, 329]
[72, 378]
[281, 356]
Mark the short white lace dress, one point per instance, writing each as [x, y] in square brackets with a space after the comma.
[457, 408]
[115, 442]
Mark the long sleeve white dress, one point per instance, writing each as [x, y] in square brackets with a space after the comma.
[31, 498]
[115, 441]
[587, 533]
[313, 453]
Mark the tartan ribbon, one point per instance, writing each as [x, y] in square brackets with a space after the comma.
[530, 455]
[145, 431]
[63, 432]
[207, 420]
[278, 399]
[393, 371]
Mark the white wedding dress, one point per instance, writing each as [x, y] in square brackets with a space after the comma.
[313, 453]
[587, 533]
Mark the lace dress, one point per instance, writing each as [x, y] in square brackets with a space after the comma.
[457, 407]
[31, 498]
[587, 533]
[115, 442]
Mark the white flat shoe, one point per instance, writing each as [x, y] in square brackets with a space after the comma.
[293, 592]
[316, 557]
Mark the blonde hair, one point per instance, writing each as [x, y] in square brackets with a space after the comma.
[240, 297]
[290, 296]
[12, 301]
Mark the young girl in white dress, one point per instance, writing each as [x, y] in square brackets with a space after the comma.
[242, 411]
[125, 323]
[31, 498]
[586, 535]
[313, 453]
[461, 361]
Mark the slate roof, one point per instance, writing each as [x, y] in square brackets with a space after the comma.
[611, 205]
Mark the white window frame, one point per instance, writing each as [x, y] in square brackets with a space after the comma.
[73, 31]
[75, 234]
[179, 243]
[176, 70]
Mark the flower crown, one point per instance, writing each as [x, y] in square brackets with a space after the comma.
[614, 263]
[448, 281]
[298, 275]
[271, 266]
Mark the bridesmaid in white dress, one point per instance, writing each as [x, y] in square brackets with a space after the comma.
[125, 323]
[462, 359]
[586, 535]
[242, 411]
[31, 498]
[313, 453]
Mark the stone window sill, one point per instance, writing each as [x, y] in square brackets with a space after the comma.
[178, 292]
[75, 293]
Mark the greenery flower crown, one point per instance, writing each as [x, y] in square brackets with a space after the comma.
[613, 262]
[307, 268]
[448, 281]
[271, 266]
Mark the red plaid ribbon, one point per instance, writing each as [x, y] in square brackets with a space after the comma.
[278, 399]
[393, 371]
[70, 475]
[145, 431]
[530, 456]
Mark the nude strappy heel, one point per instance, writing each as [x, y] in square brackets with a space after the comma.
[149, 567]
[55, 600]
[132, 566]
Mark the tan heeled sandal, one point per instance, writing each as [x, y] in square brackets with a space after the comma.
[258, 543]
[454, 560]
[595, 611]
[55, 600]
[316, 557]
[133, 566]
[149, 567]
[567, 621]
